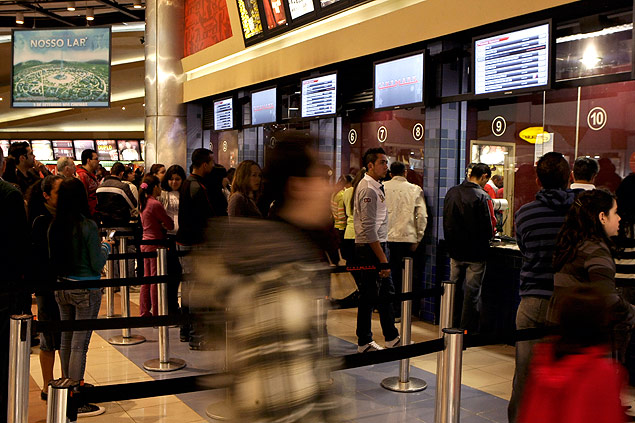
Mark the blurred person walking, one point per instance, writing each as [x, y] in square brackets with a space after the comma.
[246, 188]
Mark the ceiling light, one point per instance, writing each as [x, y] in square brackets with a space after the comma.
[137, 4]
[70, 6]
[123, 108]
[90, 14]
[19, 18]
[590, 57]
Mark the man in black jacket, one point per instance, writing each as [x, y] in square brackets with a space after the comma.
[116, 204]
[469, 225]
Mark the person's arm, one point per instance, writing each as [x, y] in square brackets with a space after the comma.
[421, 216]
[97, 251]
[159, 211]
[490, 220]
[236, 205]
[366, 202]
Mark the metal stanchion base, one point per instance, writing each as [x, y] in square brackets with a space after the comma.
[413, 385]
[219, 411]
[129, 340]
[155, 365]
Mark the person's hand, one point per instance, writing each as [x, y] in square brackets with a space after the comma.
[110, 241]
[39, 166]
[413, 247]
[384, 273]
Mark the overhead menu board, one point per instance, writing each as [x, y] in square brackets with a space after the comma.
[399, 82]
[249, 18]
[129, 150]
[511, 61]
[63, 148]
[81, 145]
[67, 67]
[107, 150]
[4, 144]
[319, 95]
[42, 149]
[223, 114]
[299, 8]
[263, 106]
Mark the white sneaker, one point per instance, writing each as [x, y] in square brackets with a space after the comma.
[394, 343]
[89, 410]
[371, 346]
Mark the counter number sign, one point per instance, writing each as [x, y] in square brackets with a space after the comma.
[417, 132]
[499, 126]
[596, 119]
[224, 146]
[352, 136]
[382, 134]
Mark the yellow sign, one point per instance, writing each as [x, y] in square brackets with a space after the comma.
[535, 135]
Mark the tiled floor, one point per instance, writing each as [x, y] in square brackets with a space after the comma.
[487, 375]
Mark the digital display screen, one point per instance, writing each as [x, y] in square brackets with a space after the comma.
[319, 95]
[274, 13]
[129, 150]
[223, 114]
[249, 18]
[142, 143]
[263, 106]
[324, 3]
[61, 67]
[4, 144]
[107, 150]
[511, 61]
[42, 150]
[399, 82]
[63, 148]
[81, 145]
[299, 8]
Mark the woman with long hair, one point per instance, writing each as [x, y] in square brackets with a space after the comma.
[41, 207]
[76, 253]
[156, 223]
[158, 170]
[246, 188]
[348, 244]
[171, 193]
[583, 254]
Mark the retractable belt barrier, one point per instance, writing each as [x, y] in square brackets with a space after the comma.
[114, 323]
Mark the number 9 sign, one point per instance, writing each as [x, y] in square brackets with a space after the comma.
[499, 126]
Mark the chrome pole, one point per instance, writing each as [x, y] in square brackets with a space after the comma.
[404, 383]
[126, 337]
[449, 379]
[58, 401]
[445, 321]
[164, 363]
[222, 410]
[19, 368]
[110, 291]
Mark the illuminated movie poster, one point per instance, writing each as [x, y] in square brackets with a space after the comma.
[61, 67]
[274, 11]
[325, 3]
[299, 8]
[250, 18]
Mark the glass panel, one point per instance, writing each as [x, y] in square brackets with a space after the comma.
[227, 154]
[250, 144]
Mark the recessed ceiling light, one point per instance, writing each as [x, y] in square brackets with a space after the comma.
[123, 107]
[90, 14]
[19, 18]
[137, 4]
[70, 6]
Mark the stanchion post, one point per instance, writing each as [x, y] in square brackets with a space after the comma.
[19, 368]
[221, 410]
[164, 363]
[110, 291]
[448, 395]
[445, 321]
[404, 383]
[59, 409]
[126, 337]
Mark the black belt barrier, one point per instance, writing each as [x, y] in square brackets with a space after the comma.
[408, 296]
[113, 323]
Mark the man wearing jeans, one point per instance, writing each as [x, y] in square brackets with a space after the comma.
[371, 234]
[537, 226]
[469, 225]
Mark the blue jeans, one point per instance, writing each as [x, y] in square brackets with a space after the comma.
[76, 304]
[469, 276]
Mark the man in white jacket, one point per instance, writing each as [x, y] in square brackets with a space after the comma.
[407, 219]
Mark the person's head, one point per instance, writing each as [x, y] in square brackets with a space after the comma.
[480, 174]
[345, 181]
[585, 169]
[202, 161]
[1, 162]
[23, 155]
[150, 187]
[376, 163]
[582, 316]
[300, 195]
[158, 170]
[66, 167]
[230, 173]
[593, 216]
[173, 179]
[117, 170]
[41, 193]
[247, 179]
[90, 160]
[128, 174]
[497, 180]
[553, 171]
[398, 169]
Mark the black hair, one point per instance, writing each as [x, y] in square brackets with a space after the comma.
[397, 168]
[553, 171]
[201, 156]
[87, 155]
[585, 168]
[581, 224]
[35, 196]
[72, 210]
[371, 155]
[117, 168]
[151, 181]
[155, 168]
[16, 150]
[480, 169]
[172, 170]
[356, 179]
[626, 206]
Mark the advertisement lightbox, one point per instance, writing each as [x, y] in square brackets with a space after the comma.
[399, 82]
[4, 144]
[319, 95]
[107, 150]
[224, 114]
[129, 150]
[63, 148]
[274, 13]
[263, 106]
[81, 145]
[298, 8]
[42, 150]
[67, 67]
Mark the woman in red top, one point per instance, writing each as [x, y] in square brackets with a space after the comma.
[156, 223]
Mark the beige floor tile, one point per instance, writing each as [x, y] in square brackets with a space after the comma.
[501, 390]
[478, 359]
[504, 369]
[477, 378]
[166, 413]
[148, 402]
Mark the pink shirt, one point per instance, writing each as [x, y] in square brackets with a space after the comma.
[155, 220]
